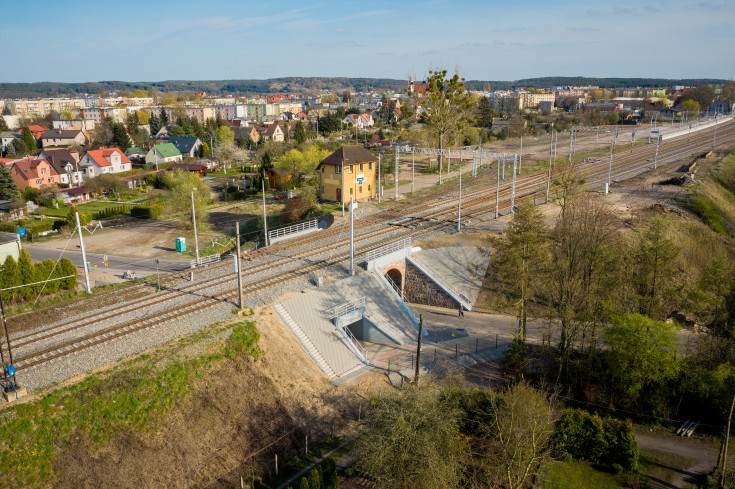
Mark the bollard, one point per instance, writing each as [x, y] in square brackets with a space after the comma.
[434, 355]
[276, 464]
[411, 360]
[191, 276]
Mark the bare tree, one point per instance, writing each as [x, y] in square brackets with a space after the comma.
[523, 423]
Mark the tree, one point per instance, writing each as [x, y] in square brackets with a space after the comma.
[181, 184]
[27, 272]
[8, 187]
[30, 194]
[691, 106]
[155, 125]
[120, 138]
[299, 133]
[520, 258]
[702, 93]
[413, 441]
[223, 135]
[446, 106]
[163, 117]
[3, 125]
[206, 152]
[143, 117]
[10, 277]
[266, 163]
[641, 351]
[28, 140]
[523, 423]
[484, 112]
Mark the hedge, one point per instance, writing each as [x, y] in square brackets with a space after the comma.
[24, 271]
[146, 211]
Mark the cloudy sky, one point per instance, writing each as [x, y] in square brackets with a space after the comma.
[85, 40]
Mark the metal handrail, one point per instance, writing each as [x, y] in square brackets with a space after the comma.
[204, 260]
[293, 228]
[357, 348]
[388, 248]
[401, 298]
[348, 307]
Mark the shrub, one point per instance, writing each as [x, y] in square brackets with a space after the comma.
[295, 209]
[146, 211]
[8, 227]
[304, 483]
[315, 481]
[329, 471]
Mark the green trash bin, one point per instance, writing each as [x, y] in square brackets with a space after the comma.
[180, 244]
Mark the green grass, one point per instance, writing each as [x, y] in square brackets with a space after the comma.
[578, 475]
[134, 397]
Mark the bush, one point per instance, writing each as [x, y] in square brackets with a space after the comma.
[617, 469]
[295, 209]
[8, 227]
[315, 480]
[146, 211]
[329, 472]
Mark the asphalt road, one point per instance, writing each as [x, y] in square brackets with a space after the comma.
[142, 266]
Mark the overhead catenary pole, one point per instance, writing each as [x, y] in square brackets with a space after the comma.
[380, 187]
[459, 202]
[725, 446]
[194, 221]
[396, 177]
[551, 156]
[513, 187]
[497, 192]
[265, 217]
[520, 156]
[238, 268]
[352, 236]
[84, 255]
[714, 136]
[609, 167]
[342, 192]
[413, 168]
[655, 156]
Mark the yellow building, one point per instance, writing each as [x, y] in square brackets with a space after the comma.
[349, 172]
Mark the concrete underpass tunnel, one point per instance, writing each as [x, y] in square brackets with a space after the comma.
[395, 275]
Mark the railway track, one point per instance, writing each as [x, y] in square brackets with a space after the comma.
[477, 201]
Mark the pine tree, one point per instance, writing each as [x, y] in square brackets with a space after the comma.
[120, 138]
[28, 140]
[154, 123]
[27, 272]
[8, 188]
[10, 277]
[68, 268]
[299, 133]
[163, 117]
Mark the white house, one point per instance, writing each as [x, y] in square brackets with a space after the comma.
[361, 121]
[104, 160]
[163, 153]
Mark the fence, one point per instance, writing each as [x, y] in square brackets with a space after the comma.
[388, 248]
[293, 228]
[204, 260]
[348, 307]
[401, 298]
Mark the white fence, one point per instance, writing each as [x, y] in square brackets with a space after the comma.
[293, 228]
[401, 244]
[348, 307]
[204, 260]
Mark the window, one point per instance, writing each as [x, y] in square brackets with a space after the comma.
[51, 180]
[38, 182]
[43, 171]
[360, 166]
[368, 188]
[360, 188]
[323, 169]
[349, 169]
[370, 165]
[350, 190]
[337, 169]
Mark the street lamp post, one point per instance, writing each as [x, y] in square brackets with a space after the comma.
[194, 221]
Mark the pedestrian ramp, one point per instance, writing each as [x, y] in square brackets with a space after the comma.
[331, 322]
[458, 270]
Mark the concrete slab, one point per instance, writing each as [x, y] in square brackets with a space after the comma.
[314, 311]
[459, 268]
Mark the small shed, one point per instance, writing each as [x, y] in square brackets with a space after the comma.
[200, 170]
[76, 194]
[277, 177]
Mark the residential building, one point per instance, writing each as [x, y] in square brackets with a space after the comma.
[63, 138]
[163, 153]
[187, 146]
[73, 124]
[349, 172]
[360, 121]
[511, 103]
[37, 131]
[104, 160]
[65, 164]
[196, 168]
[278, 177]
[532, 100]
[30, 108]
[33, 172]
[7, 137]
[99, 114]
[76, 195]
[271, 132]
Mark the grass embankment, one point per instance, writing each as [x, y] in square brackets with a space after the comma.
[713, 199]
[133, 398]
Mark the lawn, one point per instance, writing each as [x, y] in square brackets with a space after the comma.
[578, 475]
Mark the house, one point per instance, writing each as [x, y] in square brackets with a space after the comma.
[37, 131]
[65, 164]
[135, 153]
[104, 160]
[277, 177]
[349, 172]
[9, 246]
[33, 172]
[270, 131]
[76, 195]
[15, 209]
[162, 134]
[163, 153]
[197, 168]
[7, 138]
[247, 132]
[361, 121]
[189, 147]
[131, 182]
[63, 138]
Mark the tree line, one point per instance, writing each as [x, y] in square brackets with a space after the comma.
[24, 271]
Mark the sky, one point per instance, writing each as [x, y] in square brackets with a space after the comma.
[153, 40]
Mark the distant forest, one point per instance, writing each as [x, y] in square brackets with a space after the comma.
[312, 84]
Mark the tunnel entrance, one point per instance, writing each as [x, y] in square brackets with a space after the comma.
[395, 275]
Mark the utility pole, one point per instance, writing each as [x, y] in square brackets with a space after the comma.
[571, 138]
[9, 369]
[396, 179]
[609, 168]
[725, 447]
[342, 192]
[194, 220]
[352, 236]
[158, 277]
[655, 156]
[418, 350]
[84, 255]
[237, 264]
[459, 203]
[714, 137]
[265, 218]
[551, 156]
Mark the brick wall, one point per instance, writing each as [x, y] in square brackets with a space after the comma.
[420, 289]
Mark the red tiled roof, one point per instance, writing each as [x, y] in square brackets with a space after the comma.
[100, 156]
[27, 168]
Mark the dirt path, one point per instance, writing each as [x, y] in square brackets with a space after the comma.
[702, 452]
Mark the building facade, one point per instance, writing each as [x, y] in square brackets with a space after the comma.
[349, 172]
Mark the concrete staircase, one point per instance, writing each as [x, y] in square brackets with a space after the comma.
[304, 340]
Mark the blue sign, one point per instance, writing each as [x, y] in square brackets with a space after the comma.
[21, 232]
